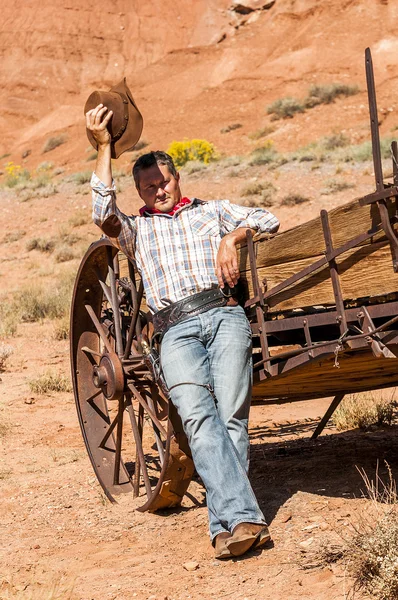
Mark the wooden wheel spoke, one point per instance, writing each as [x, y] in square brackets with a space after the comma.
[104, 415]
[140, 451]
[119, 433]
[90, 355]
[149, 411]
[137, 472]
[107, 435]
[99, 328]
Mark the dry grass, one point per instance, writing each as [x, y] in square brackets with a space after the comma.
[259, 193]
[61, 329]
[13, 236]
[294, 199]
[54, 142]
[333, 186]
[40, 244]
[63, 254]
[372, 553]
[79, 219]
[50, 382]
[231, 127]
[364, 411]
[285, 108]
[8, 318]
[5, 353]
[260, 133]
[36, 303]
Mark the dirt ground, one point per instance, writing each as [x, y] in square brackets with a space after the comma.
[195, 69]
[61, 538]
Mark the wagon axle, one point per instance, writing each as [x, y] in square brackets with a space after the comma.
[108, 376]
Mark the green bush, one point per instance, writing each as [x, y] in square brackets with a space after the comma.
[285, 108]
[263, 155]
[191, 150]
[325, 94]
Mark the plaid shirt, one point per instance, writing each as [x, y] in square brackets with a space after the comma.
[176, 255]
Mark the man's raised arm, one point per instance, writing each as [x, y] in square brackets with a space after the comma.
[97, 123]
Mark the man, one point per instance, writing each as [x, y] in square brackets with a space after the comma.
[185, 250]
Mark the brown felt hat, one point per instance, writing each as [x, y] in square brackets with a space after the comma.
[126, 123]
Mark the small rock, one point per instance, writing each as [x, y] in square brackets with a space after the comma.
[36, 547]
[29, 400]
[306, 543]
[191, 566]
[286, 518]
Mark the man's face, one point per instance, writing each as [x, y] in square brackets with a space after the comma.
[158, 188]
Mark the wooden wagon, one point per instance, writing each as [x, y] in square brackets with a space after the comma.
[322, 300]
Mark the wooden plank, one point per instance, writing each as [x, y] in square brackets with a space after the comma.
[306, 240]
[364, 271]
[358, 372]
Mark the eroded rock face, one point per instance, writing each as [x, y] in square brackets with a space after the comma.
[51, 52]
[245, 7]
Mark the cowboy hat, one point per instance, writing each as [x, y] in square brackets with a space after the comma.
[126, 123]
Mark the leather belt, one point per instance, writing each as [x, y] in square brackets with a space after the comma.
[190, 307]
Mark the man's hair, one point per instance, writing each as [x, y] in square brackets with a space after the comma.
[153, 158]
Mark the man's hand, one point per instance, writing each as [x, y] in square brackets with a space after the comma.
[97, 123]
[227, 257]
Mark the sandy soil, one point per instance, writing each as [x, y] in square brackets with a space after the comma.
[195, 69]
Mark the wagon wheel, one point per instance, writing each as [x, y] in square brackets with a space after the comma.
[124, 417]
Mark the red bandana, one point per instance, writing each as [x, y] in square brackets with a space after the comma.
[155, 211]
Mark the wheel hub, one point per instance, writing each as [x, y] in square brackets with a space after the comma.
[108, 376]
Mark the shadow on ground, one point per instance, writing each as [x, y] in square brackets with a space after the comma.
[327, 466]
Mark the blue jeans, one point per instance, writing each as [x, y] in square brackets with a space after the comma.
[206, 362]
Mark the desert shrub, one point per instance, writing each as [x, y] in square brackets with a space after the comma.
[63, 254]
[231, 127]
[263, 155]
[294, 199]
[372, 553]
[336, 140]
[15, 175]
[261, 194]
[188, 150]
[260, 133]
[257, 187]
[50, 382]
[364, 411]
[363, 152]
[54, 142]
[36, 303]
[325, 94]
[5, 353]
[8, 318]
[79, 218]
[81, 178]
[285, 108]
[61, 329]
[41, 244]
[13, 236]
[68, 237]
[333, 186]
